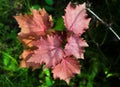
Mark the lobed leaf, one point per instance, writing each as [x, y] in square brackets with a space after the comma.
[66, 69]
[75, 18]
[75, 46]
[34, 25]
[49, 51]
[38, 21]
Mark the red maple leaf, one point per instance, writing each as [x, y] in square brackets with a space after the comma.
[75, 46]
[75, 18]
[38, 21]
[33, 26]
[66, 69]
[49, 51]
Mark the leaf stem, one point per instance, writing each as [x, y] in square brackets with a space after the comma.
[109, 27]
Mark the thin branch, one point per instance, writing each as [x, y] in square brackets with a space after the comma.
[109, 27]
[114, 32]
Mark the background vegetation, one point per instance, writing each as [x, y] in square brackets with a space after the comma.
[101, 67]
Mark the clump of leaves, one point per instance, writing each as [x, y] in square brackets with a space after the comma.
[58, 51]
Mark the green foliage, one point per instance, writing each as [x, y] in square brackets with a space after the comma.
[49, 2]
[59, 24]
[36, 7]
[100, 68]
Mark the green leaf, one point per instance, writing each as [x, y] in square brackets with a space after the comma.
[48, 81]
[49, 2]
[59, 25]
[47, 72]
[35, 7]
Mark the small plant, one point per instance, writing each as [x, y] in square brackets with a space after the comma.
[57, 50]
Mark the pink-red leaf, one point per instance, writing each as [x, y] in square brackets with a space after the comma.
[75, 47]
[66, 69]
[38, 21]
[49, 51]
[33, 26]
[75, 18]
